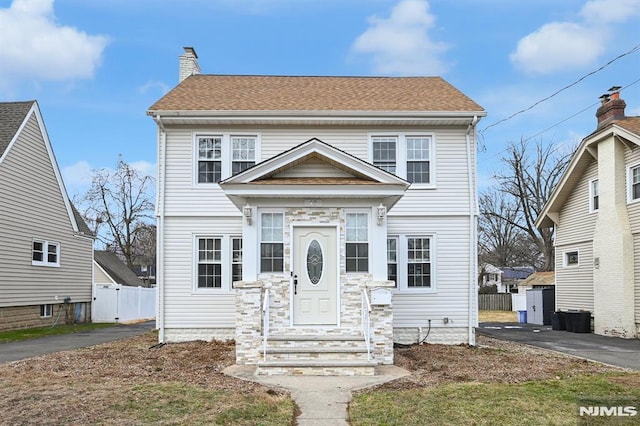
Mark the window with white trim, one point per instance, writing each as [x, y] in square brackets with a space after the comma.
[634, 183]
[221, 156]
[45, 253]
[384, 152]
[209, 267]
[409, 156]
[357, 242]
[46, 311]
[418, 262]
[272, 242]
[571, 258]
[594, 196]
[392, 259]
[236, 259]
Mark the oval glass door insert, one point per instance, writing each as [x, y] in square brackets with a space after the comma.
[314, 262]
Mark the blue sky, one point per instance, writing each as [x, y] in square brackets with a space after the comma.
[96, 66]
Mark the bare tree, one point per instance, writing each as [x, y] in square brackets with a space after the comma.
[530, 174]
[119, 209]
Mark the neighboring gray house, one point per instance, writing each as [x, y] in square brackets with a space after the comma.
[316, 220]
[595, 210]
[109, 269]
[46, 249]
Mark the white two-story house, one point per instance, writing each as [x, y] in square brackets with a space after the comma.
[316, 220]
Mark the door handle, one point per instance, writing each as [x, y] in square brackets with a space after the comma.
[295, 284]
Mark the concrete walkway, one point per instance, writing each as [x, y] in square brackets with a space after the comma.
[615, 351]
[322, 400]
[15, 351]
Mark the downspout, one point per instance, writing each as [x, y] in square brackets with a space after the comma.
[160, 210]
[473, 229]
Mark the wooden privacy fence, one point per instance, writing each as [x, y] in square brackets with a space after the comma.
[494, 302]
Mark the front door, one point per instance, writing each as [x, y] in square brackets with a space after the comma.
[315, 276]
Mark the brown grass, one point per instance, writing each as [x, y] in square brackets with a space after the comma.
[497, 316]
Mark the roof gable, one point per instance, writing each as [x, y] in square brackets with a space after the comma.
[14, 116]
[116, 269]
[628, 129]
[206, 92]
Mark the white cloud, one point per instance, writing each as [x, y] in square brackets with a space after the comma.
[559, 46]
[77, 177]
[577, 44]
[154, 84]
[401, 44]
[602, 12]
[34, 46]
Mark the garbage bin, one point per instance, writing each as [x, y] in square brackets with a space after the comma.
[578, 321]
[522, 317]
[582, 322]
[558, 321]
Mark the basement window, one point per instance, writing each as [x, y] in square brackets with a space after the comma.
[46, 311]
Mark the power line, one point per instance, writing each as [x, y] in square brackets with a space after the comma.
[622, 55]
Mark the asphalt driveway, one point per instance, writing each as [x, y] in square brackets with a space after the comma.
[610, 350]
[15, 351]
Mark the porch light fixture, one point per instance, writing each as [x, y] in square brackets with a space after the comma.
[247, 211]
[382, 212]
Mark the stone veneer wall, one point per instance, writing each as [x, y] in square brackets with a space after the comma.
[440, 335]
[249, 299]
[19, 317]
[205, 334]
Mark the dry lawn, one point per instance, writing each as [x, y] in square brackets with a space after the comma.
[129, 382]
[497, 316]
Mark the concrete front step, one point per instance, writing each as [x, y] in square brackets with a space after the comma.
[317, 353]
[317, 368]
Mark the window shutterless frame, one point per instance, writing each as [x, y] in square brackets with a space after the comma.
[45, 253]
[633, 183]
[414, 158]
[219, 155]
[594, 196]
[217, 262]
[571, 258]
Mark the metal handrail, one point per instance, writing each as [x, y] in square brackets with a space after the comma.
[366, 321]
[265, 323]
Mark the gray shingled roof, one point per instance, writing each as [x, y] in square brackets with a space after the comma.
[116, 268]
[12, 114]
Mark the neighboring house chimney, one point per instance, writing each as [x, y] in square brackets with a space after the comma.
[612, 107]
[188, 63]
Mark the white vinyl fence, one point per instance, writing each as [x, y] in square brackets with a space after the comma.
[121, 303]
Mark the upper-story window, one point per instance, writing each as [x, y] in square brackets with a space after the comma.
[594, 196]
[634, 182]
[45, 253]
[409, 156]
[224, 155]
[384, 152]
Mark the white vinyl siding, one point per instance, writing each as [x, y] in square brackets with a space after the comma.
[632, 157]
[450, 273]
[28, 187]
[185, 306]
[449, 150]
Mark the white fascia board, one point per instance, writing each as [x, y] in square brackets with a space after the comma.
[328, 115]
[318, 191]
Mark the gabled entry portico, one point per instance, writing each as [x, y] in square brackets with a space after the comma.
[314, 245]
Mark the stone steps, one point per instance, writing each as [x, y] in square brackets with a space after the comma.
[322, 355]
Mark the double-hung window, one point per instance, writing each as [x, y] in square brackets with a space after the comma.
[410, 156]
[221, 156]
[272, 242]
[594, 195]
[209, 262]
[243, 153]
[357, 242]
[634, 183]
[236, 259]
[209, 159]
[418, 262]
[392, 259]
[45, 253]
[384, 152]
[418, 155]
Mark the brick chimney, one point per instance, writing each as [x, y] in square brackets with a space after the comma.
[612, 107]
[188, 63]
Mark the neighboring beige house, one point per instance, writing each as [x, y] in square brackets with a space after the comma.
[316, 220]
[46, 249]
[109, 269]
[537, 280]
[596, 214]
